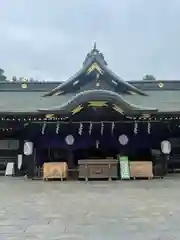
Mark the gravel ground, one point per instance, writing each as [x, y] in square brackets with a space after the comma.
[148, 209]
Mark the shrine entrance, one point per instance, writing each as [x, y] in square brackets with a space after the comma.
[100, 138]
[94, 153]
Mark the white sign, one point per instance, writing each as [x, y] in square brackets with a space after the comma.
[69, 139]
[9, 169]
[20, 159]
[28, 148]
[166, 147]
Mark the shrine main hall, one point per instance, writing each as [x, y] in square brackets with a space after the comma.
[93, 116]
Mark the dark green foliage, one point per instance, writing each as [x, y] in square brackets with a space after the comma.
[14, 79]
[2, 76]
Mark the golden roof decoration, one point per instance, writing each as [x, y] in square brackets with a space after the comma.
[77, 109]
[161, 84]
[93, 67]
[24, 85]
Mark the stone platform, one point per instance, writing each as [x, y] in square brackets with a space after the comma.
[148, 209]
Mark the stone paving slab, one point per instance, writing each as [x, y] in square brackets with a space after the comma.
[93, 210]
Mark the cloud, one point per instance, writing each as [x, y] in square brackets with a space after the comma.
[50, 39]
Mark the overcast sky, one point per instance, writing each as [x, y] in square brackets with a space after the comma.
[48, 39]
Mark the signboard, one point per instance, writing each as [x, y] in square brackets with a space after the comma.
[124, 167]
[9, 169]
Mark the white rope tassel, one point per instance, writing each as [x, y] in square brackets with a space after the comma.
[102, 128]
[57, 128]
[80, 131]
[90, 128]
[149, 128]
[43, 128]
[135, 128]
[97, 144]
[112, 128]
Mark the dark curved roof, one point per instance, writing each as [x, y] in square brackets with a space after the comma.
[97, 95]
[121, 81]
[95, 56]
[22, 100]
[45, 86]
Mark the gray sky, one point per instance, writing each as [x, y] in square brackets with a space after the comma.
[49, 39]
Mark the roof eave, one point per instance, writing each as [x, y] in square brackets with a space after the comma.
[120, 81]
[61, 87]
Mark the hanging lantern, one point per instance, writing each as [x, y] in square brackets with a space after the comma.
[112, 128]
[80, 131]
[90, 128]
[123, 139]
[135, 128]
[149, 128]
[69, 139]
[57, 128]
[102, 128]
[43, 128]
[166, 147]
[28, 148]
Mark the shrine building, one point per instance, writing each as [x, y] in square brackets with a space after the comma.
[93, 114]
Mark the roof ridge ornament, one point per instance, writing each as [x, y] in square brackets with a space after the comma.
[94, 46]
[94, 62]
[94, 55]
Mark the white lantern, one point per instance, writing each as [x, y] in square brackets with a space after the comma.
[166, 147]
[123, 139]
[69, 139]
[28, 148]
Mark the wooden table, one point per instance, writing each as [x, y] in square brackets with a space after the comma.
[55, 170]
[141, 169]
[98, 169]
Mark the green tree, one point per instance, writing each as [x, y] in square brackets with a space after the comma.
[31, 79]
[14, 79]
[20, 79]
[149, 77]
[2, 76]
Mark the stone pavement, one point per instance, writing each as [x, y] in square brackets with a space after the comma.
[143, 210]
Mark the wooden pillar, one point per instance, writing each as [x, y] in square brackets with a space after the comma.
[31, 164]
[70, 159]
[20, 152]
[29, 159]
[165, 163]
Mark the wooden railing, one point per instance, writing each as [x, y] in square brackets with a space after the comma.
[38, 173]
